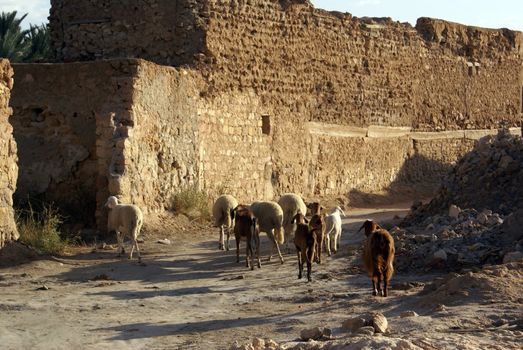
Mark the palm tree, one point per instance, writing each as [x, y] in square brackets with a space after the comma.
[13, 43]
[38, 49]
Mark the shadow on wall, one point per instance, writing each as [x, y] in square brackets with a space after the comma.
[419, 178]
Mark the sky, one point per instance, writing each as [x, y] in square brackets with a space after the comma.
[482, 13]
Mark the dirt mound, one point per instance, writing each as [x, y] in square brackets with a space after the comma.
[488, 177]
[489, 284]
[15, 253]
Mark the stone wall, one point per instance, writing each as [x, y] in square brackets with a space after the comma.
[8, 158]
[267, 97]
[324, 66]
[57, 108]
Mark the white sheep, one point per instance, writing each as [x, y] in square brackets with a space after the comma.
[333, 223]
[291, 204]
[124, 219]
[221, 212]
[270, 221]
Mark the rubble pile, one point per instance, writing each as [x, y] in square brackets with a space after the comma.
[488, 177]
[440, 235]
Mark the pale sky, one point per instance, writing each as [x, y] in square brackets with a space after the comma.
[483, 13]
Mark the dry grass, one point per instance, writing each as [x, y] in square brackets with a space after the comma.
[40, 229]
[192, 202]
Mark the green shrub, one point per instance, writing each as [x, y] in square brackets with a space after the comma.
[192, 202]
[40, 229]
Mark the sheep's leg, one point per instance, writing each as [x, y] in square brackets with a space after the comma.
[328, 244]
[119, 239]
[132, 249]
[228, 238]
[257, 240]
[274, 245]
[138, 250]
[221, 245]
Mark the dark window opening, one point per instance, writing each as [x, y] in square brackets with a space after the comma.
[266, 124]
[36, 115]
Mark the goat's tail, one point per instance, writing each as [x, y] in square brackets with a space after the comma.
[386, 249]
[279, 235]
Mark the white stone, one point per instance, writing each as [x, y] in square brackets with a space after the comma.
[380, 323]
[409, 313]
[454, 211]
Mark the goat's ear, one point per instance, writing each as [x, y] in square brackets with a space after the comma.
[306, 220]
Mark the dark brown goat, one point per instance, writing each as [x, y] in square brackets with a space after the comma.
[378, 256]
[245, 227]
[305, 241]
[317, 225]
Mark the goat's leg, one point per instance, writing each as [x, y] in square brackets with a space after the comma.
[380, 279]
[238, 238]
[374, 284]
[248, 253]
[335, 242]
[320, 250]
[258, 251]
[385, 282]
[300, 262]
[310, 250]
[221, 244]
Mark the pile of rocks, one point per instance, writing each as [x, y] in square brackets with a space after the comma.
[488, 177]
[441, 235]
[456, 240]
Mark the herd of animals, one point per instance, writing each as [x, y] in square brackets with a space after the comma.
[283, 222]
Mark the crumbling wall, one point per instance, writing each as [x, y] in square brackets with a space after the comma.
[330, 67]
[57, 108]
[161, 147]
[8, 158]
[295, 64]
[166, 31]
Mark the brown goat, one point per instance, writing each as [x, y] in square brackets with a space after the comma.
[317, 225]
[305, 241]
[245, 227]
[378, 256]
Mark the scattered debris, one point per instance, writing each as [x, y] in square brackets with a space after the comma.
[165, 241]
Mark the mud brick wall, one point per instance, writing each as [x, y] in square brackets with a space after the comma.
[157, 30]
[326, 66]
[55, 111]
[8, 157]
[161, 149]
[235, 147]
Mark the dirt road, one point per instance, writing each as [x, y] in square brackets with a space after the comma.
[189, 295]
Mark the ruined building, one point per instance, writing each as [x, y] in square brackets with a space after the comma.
[255, 98]
[8, 168]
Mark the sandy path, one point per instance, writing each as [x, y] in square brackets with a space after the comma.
[191, 296]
